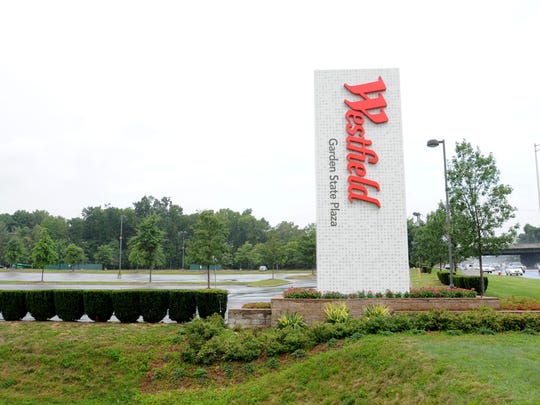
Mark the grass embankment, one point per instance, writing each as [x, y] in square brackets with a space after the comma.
[54, 362]
[92, 363]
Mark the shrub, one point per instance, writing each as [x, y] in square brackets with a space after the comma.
[444, 277]
[182, 305]
[40, 304]
[154, 305]
[211, 301]
[69, 304]
[324, 332]
[13, 304]
[257, 305]
[293, 339]
[230, 346]
[302, 293]
[288, 320]
[439, 292]
[337, 313]
[470, 282]
[196, 333]
[98, 305]
[126, 305]
[376, 311]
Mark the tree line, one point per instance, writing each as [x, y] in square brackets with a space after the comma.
[115, 238]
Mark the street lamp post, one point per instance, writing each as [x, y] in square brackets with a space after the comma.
[417, 215]
[536, 149]
[183, 246]
[120, 247]
[433, 143]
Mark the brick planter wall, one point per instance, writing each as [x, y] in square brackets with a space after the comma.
[313, 310]
[249, 317]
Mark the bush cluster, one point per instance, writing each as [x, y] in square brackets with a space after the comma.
[425, 292]
[100, 305]
[461, 281]
[206, 341]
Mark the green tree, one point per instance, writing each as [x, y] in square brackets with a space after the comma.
[14, 251]
[274, 252]
[105, 255]
[74, 255]
[242, 257]
[429, 245]
[44, 252]
[146, 247]
[307, 247]
[209, 241]
[531, 234]
[479, 204]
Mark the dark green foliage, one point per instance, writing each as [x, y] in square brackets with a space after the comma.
[154, 305]
[444, 277]
[182, 305]
[98, 305]
[207, 341]
[69, 304]
[211, 301]
[13, 304]
[196, 333]
[40, 304]
[126, 305]
[470, 282]
[460, 281]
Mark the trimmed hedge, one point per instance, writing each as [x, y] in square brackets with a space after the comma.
[13, 304]
[211, 301]
[182, 305]
[69, 304]
[40, 304]
[126, 305]
[154, 304]
[467, 282]
[98, 305]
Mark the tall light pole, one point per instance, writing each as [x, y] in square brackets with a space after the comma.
[536, 149]
[433, 143]
[120, 250]
[183, 246]
[417, 215]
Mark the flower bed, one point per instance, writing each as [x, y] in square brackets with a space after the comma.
[426, 292]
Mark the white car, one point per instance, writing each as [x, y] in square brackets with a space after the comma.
[488, 268]
[514, 269]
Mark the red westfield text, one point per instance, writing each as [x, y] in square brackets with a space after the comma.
[358, 145]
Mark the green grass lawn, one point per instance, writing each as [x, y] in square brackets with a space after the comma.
[88, 363]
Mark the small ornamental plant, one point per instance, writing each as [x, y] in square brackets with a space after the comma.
[337, 312]
[376, 310]
[424, 292]
[288, 320]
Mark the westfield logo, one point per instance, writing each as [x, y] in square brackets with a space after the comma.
[370, 106]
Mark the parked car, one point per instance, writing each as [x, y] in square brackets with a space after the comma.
[514, 269]
[488, 268]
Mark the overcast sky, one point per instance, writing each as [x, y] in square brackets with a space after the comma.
[211, 103]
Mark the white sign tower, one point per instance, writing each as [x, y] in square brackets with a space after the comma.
[361, 212]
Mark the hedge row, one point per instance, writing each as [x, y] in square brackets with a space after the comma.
[460, 281]
[100, 305]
